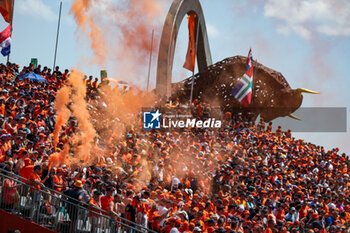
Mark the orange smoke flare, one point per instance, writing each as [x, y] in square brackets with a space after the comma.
[80, 9]
[59, 158]
[86, 134]
[121, 28]
[62, 112]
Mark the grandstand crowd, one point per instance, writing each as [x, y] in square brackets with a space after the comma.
[244, 177]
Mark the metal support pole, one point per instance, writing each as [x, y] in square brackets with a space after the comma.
[254, 74]
[150, 61]
[58, 32]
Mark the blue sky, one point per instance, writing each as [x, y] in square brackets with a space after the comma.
[308, 41]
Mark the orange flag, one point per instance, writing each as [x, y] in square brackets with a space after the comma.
[191, 51]
[6, 9]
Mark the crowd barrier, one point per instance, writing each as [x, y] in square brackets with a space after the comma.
[56, 211]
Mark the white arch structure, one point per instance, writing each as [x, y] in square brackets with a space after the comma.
[176, 14]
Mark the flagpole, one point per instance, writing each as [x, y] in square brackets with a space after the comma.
[254, 74]
[150, 60]
[196, 43]
[58, 32]
[13, 7]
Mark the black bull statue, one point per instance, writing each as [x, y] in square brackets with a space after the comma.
[272, 96]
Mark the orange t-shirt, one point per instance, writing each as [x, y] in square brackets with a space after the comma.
[303, 212]
[57, 180]
[94, 84]
[105, 200]
[35, 178]
[94, 206]
[6, 146]
[280, 214]
[9, 128]
[26, 171]
[2, 109]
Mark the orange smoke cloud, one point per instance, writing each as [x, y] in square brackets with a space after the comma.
[136, 32]
[85, 136]
[62, 112]
[123, 28]
[82, 142]
[118, 109]
[135, 36]
[86, 24]
[59, 158]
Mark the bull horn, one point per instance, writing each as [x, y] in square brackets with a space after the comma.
[301, 90]
[294, 117]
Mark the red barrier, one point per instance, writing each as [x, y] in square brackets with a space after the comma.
[10, 221]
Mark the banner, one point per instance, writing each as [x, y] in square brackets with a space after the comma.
[6, 9]
[34, 61]
[103, 74]
[191, 51]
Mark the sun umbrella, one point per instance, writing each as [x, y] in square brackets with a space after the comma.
[34, 77]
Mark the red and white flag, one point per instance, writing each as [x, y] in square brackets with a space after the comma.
[5, 41]
[242, 91]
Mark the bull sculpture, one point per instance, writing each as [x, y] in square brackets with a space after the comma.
[272, 96]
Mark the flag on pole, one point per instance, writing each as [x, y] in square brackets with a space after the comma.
[249, 59]
[242, 91]
[5, 41]
[6, 9]
[191, 51]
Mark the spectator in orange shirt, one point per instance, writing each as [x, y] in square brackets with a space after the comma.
[36, 183]
[9, 194]
[35, 177]
[270, 226]
[107, 199]
[95, 206]
[27, 170]
[95, 84]
[5, 143]
[304, 210]
[58, 180]
[280, 213]
[2, 106]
